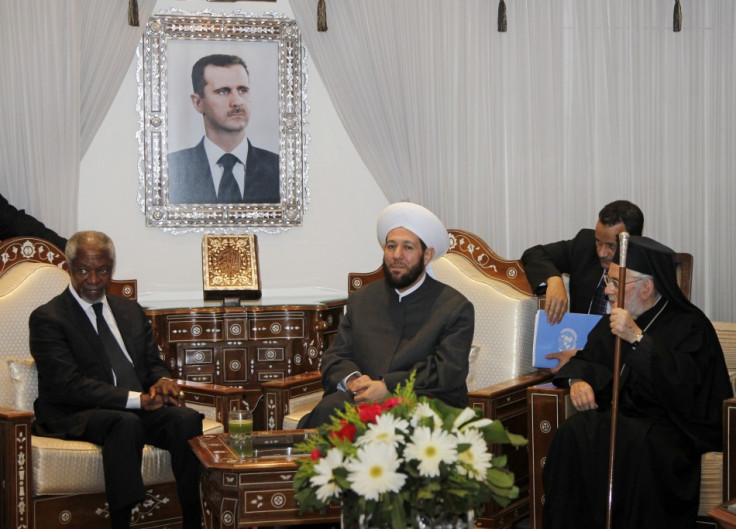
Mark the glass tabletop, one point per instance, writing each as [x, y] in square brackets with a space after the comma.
[265, 448]
[270, 444]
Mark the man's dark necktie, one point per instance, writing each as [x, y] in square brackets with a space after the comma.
[600, 300]
[228, 190]
[123, 368]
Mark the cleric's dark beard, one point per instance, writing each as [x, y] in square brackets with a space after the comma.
[408, 278]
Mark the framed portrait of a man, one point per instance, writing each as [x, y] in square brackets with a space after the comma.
[222, 106]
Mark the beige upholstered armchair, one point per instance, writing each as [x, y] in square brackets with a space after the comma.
[500, 359]
[51, 483]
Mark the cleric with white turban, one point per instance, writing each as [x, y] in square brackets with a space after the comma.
[418, 220]
[409, 323]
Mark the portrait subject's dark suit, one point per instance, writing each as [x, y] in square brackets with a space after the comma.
[77, 398]
[190, 179]
[576, 257]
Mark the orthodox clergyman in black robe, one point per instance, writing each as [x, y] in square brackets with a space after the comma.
[672, 384]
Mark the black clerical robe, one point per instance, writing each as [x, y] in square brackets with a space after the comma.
[429, 331]
[671, 391]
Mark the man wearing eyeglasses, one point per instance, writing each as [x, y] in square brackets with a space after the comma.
[585, 258]
[672, 384]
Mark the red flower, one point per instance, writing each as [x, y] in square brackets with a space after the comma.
[391, 402]
[315, 455]
[347, 432]
[369, 412]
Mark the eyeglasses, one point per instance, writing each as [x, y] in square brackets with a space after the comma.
[613, 281]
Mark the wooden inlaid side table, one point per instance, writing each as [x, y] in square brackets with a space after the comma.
[257, 490]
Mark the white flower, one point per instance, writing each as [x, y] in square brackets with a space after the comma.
[422, 410]
[476, 459]
[373, 471]
[465, 415]
[461, 421]
[324, 479]
[430, 448]
[384, 430]
[468, 414]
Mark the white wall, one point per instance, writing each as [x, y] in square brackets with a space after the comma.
[338, 233]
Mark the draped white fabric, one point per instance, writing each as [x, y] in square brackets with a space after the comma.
[62, 64]
[521, 137]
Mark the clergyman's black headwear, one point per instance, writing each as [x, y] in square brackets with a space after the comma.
[653, 258]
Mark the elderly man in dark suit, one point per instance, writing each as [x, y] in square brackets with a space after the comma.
[100, 379]
[224, 167]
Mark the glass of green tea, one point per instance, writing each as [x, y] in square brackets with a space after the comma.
[240, 426]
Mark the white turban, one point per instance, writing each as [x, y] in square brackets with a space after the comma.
[418, 220]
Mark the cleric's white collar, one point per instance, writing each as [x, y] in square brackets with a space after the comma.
[412, 288]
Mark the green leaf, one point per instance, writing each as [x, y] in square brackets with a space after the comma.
[495, 433]
[398, 516]
[510, 493]
[500, 477]
[499, 461]
[516, 439]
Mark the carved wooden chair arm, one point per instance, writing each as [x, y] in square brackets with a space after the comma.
[11, 414]
[729, 449]
[296, 385]
[277, 395]
[221, 398]
[506, 398]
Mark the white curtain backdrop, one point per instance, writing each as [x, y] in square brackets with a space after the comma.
[62, 64]
[521, 137]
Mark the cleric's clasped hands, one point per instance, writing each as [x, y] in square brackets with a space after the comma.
[365, 389]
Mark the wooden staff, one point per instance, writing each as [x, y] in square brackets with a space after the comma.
[623, 246]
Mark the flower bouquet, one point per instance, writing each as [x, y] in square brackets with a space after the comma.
[404, 460]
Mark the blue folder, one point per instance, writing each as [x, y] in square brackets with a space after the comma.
[570, 333]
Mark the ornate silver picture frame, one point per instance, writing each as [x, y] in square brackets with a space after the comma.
[188, 119]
